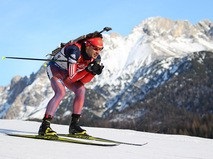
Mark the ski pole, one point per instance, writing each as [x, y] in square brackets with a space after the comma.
[35, 59]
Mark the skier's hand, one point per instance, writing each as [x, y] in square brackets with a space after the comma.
[95, 68]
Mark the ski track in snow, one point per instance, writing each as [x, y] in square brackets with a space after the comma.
[159, 146]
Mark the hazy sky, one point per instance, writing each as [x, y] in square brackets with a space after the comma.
[33, 28]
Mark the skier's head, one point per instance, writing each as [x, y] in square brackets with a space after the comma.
[96, 42]
[94, 46]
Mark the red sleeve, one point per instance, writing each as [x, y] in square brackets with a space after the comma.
[72, 69]
[77, 76]
[82, 76]
[87, 78]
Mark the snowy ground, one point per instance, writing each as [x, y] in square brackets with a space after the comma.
[158, 147]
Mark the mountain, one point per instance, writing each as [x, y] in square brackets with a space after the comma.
[156, 79]
[159, 146]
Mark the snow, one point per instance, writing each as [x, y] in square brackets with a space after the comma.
[159, 146]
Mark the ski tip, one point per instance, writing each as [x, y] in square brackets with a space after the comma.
[3, 57]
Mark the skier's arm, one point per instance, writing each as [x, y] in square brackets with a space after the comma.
[94, 68]
[72, 53]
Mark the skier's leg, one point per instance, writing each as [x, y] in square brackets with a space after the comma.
[60, 91]
[79, 90]
[52, 105]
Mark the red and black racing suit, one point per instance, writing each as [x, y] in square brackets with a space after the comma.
[70, 74]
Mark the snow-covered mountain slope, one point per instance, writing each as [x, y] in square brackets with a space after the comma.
[156, 52]
[158, 147]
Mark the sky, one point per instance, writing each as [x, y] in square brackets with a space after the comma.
[30, 28]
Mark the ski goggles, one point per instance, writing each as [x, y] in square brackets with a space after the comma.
[95, 47]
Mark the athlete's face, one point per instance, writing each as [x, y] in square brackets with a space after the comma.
[93, 51]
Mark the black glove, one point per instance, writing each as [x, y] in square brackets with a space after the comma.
[94, 68]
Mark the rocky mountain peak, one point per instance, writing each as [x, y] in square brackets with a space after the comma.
[164, 27]
[144, 72]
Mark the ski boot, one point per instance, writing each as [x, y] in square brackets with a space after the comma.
[45, 129]
[74, 128]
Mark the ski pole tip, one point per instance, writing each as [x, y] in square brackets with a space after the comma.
[45, 64]
[3, 57]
